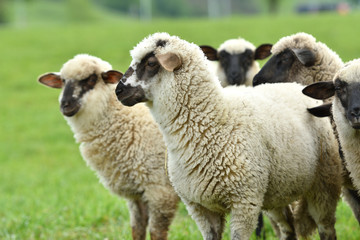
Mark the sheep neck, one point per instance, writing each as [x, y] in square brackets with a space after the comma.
[189, 110]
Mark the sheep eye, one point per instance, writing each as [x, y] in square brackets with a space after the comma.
[151, 63]
[248, 61]
[340, 85]
[90, 81]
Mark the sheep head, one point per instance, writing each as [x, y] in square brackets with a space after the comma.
[237, 58]
[291, 55]
[346, 88]
[77, 78]
[144, 70]
[279, 67]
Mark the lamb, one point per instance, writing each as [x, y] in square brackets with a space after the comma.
[235, 64]
[234, 150]
[300, 58]
[345, 88]
[122, 145]
[235, 60]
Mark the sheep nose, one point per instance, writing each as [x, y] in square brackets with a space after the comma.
[355, 112]
[234, 74]
[65, 103]
[256, 80]
[119, 88]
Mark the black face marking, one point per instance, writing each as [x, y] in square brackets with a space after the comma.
[148, 67]
[349, 96]
[161, 43]
[88, 83]
[129, 95]
[277, 69]
[73, 92]
[127, 74]
[236, 65]
[341, 88]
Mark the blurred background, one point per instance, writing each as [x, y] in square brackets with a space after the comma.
[22, 12]
[46, 189]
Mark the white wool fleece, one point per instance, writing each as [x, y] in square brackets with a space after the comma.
[239, 149]
[327, 61]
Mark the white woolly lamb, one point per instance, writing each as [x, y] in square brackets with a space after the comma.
[346, 112]
[235, 60]
[235, 64]
[300, 58]
[234, 150]
[122, 145]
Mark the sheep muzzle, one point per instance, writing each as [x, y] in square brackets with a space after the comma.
[128, 95]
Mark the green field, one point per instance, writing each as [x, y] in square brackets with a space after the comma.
[46, 189]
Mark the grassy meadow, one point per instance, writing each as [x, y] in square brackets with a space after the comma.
[46, 189]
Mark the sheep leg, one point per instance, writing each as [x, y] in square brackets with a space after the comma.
[211, 224]
[322, 209]
[304, 223]
[162, 207]
[243, 220]
[353, 200]
[324, 219]
[138, 219]
[284, 219]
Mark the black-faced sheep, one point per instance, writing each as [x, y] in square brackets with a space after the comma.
[300, 58]
[234, 150]
[345, 88]
[236, 60]
[122, 145]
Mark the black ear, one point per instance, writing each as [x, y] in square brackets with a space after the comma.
[262, 51]
[321, 111]
[320, 90]
[305, 56]
[210, 52]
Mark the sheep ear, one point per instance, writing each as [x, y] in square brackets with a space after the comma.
[321, 111]
[262, 51]
[305, 56]
[170, 61]
[210, 52]
[52, 80]
[320, 90]
[111, 76]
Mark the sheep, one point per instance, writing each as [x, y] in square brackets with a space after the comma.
[234, 150]
[235, 60]
[235, 65]
[122, 145]
[300, 58]
[345, 90]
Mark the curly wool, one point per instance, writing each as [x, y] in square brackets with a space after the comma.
[223, 144]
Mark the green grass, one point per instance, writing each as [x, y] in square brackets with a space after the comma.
[46, 189]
